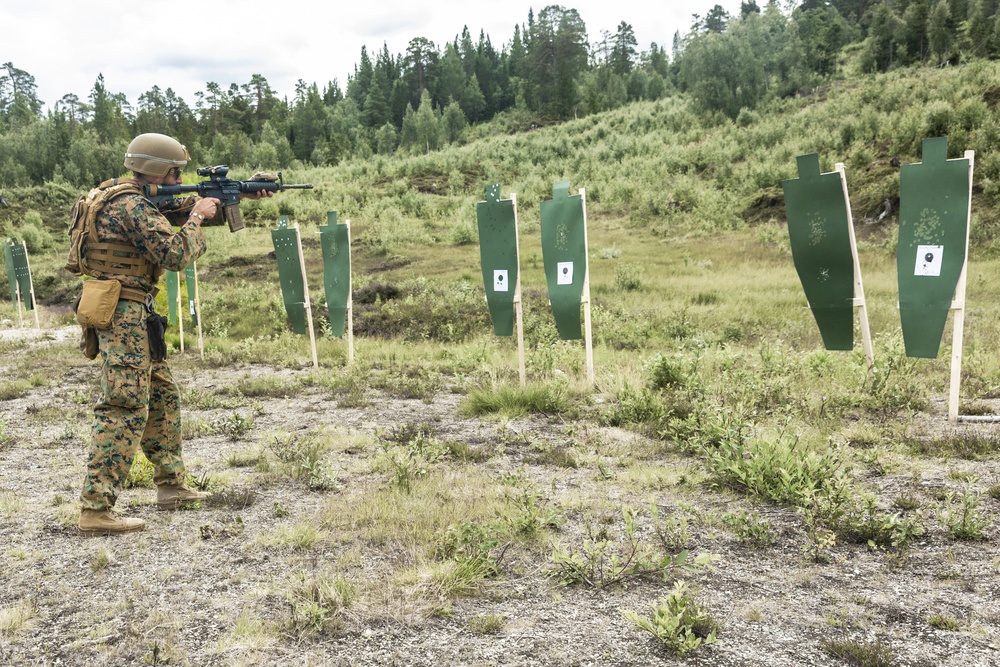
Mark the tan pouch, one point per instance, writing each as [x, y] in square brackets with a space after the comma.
[90, 344]
[98, 303]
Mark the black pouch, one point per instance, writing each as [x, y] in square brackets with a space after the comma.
[156, 327]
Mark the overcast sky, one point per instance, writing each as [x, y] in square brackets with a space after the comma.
[66, 44]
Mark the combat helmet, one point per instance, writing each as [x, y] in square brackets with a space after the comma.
[155, 154]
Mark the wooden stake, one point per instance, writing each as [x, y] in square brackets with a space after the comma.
[859, 288]
[305, 293]
[181, 311]
[518, 308]
[958, 305]
[17, 298]
[31, 285]
[588, 340]
[197, 310]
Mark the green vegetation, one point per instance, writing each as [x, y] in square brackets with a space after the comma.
[944, 622]
[677, 621]
[860, 652]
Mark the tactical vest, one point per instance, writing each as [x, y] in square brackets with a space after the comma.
[88, 255]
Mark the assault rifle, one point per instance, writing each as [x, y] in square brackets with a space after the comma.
[223, 188]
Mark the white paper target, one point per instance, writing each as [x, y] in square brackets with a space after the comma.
[564, 273]
[929, 260]
[501, 280]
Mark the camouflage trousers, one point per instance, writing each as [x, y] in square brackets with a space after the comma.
[139, 407]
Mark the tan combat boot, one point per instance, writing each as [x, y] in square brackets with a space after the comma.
[175, 496]
[106, 522]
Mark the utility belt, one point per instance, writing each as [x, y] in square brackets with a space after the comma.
[95, 308]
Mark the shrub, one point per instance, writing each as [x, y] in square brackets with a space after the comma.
[677, 621]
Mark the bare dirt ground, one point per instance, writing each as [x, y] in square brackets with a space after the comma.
[202, 587]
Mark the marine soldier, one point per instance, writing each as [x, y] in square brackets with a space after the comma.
[132, 242]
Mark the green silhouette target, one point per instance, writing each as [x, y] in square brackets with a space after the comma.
[18, 273]
[497, 220]
[335, 241]
[820, 235]
[286, 251]
[933, 243]
[564, 254]
[192, 290]
[172, 281]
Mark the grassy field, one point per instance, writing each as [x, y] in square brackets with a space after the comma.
[418, 507]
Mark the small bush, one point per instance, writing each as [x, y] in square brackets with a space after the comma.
[860, 653]
[515, 402]
[677, 621]
[33, 232]
[961, 516]
[628, 277]
[944, 622]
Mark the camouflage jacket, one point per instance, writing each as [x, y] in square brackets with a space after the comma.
[131, 219]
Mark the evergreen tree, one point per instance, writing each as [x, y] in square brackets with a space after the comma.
[151, 112]
[377, 109]
[421, 57]
[345, 131]
[385, 139]
[623, 51]
[656, 60]
[359, 85]
[449, 82]
[716, 20]
[453, 123]
[332, 94]
[748, 7]
[915, 20]
[853, 10]
[473, 101]
[557, 54]
[261, 99]
[940, 35]
[821, 33]
[978, 29]
[19, 103]
[427, 125]
[880, 47]
[467, 50]
[308, 127]
[109, 113]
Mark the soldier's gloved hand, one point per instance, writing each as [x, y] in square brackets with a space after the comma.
[262, 176]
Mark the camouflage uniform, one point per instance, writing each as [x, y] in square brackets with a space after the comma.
[140, 403]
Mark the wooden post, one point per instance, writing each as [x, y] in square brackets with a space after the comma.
[181, 311]
[197, 310]
[588, 340]
[17, 304]
[305, 293]
[958, 305]
[31, 285]
[859, 288]
[518, 309]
